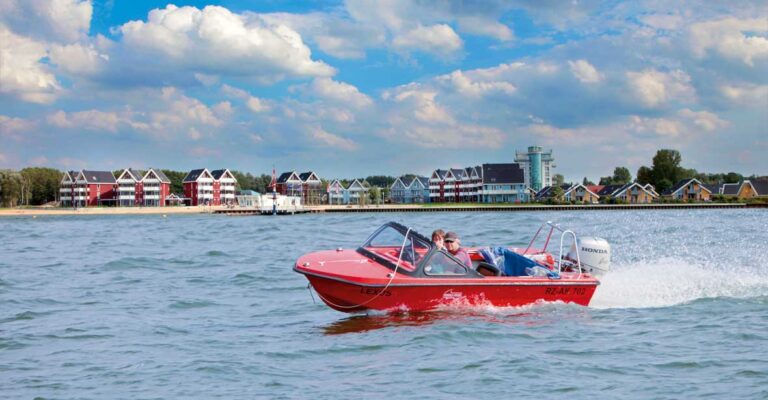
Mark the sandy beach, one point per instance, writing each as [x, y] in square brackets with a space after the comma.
[28, 211]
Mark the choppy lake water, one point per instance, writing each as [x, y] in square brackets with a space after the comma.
[202, 307]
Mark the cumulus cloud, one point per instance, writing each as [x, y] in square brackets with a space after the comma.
[654, 88]
[746, 94]
[10, 125]
[731, 38]
[339, 92]
[246, 46]
[584, 71]
[481, 25]
[331, 140]
[48, 20]
[22, 74]
[438, 39]
[254, 104]
[478, 87]
[703, 119]
[78, 59]
[91, 120]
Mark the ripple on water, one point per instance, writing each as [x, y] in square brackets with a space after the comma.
[187, 304]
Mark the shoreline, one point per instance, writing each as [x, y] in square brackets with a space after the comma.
[10, 212]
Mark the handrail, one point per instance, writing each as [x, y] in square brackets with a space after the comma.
[564, 232]
[560, 256]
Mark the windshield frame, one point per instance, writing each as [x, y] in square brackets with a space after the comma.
[403, 230]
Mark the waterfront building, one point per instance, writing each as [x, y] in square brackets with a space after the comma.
[750, 189]
[307, 185]
[311, 188]
[358, 192]
[689, 190]
[154, 188]
[437, 186]
[730, 189]
[537, 167]
[632, 193]
[419, 189]
[575, 193]
[223, 187]
[412, 189]
[399, 192]
[198, 187]
[503, 183]
[337, 193]
[581, 194]
[248, 198]
[473, 184]
[88, 188]
[129, 188]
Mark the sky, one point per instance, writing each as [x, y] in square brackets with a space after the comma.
[356, 88]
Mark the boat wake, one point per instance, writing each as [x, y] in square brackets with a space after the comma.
[672, 281]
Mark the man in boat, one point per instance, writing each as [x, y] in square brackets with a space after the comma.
[453, 245]
[437, 238]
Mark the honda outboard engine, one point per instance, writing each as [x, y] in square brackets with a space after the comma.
[594, 254]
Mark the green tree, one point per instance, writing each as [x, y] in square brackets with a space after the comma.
[732, 177]
[558, 180]
[666, 169]
[621, 176]
[11, 187]
[587, 182]
[558, 194]
[644, 175]
[176, 178]
[375, 195]
[40, 184]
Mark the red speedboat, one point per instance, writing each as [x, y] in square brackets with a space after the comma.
[399, 270]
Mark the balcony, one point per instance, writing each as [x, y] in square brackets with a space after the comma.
[151, 197]
[126, 197]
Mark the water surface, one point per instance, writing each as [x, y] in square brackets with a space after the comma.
[201, 307]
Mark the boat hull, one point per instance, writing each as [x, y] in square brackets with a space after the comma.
[348, 296]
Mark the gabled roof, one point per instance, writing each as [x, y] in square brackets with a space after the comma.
[161, 175]
[651, 189]
[548, 191]
[459, 173]
[760, 186]
[336, 183]
[398, 182]
[195, 174]
[356, 185]
[683, 183]
[713, 188]
[730, 189]
[609, 190]
[630, 185]
[99, 176]
[69, 176]
[130, 173]
[438, 174]
[288, 176]
[157, 174]
[475, 172]
[308, 176]
[421, 181]
[503, 173]
[579, 185]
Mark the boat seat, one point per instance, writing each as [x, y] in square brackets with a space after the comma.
[487, 269]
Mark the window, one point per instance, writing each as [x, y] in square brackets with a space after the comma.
[443, 264]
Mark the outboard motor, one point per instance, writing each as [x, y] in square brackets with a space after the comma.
[594, 253]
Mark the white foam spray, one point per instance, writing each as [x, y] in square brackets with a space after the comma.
[670, 281]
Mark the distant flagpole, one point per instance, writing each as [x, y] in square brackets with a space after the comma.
[274, 191]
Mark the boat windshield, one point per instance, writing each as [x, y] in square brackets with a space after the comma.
[394, 241]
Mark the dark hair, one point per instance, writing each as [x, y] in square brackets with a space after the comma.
[439, 233]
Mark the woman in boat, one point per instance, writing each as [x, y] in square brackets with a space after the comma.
[437, 238]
